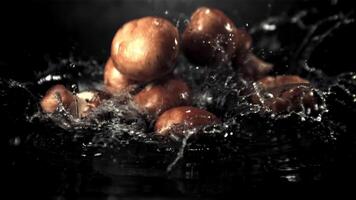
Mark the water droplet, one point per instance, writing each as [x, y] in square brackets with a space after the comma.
[15, 141]
[228, 27]
[268, 95]
[269, 27]
[97, 154]
[184, 95]
[291, 178]
[72, 65]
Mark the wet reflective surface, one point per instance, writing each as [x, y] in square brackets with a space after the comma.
[113, 153]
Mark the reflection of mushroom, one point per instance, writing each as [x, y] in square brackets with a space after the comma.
[284, 93]
[185, 117]
[145, 49]
[157, 97]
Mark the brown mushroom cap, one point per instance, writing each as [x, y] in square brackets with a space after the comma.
[277, 81]
[209, 37]
[55, 95]
[285, 93]
[253, 67]
[115, 81]
[157, 97]
[145, 49]
[184, 117]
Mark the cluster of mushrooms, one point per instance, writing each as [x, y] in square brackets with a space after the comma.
[144, 52]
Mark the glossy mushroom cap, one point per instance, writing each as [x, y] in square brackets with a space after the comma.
[210, 37]
[157, 97]
[277, 81]
[253, 68]
[285, 93]
[56, 95]
[78, 105]
[145, 49]
[114, 81]
[184, 117]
